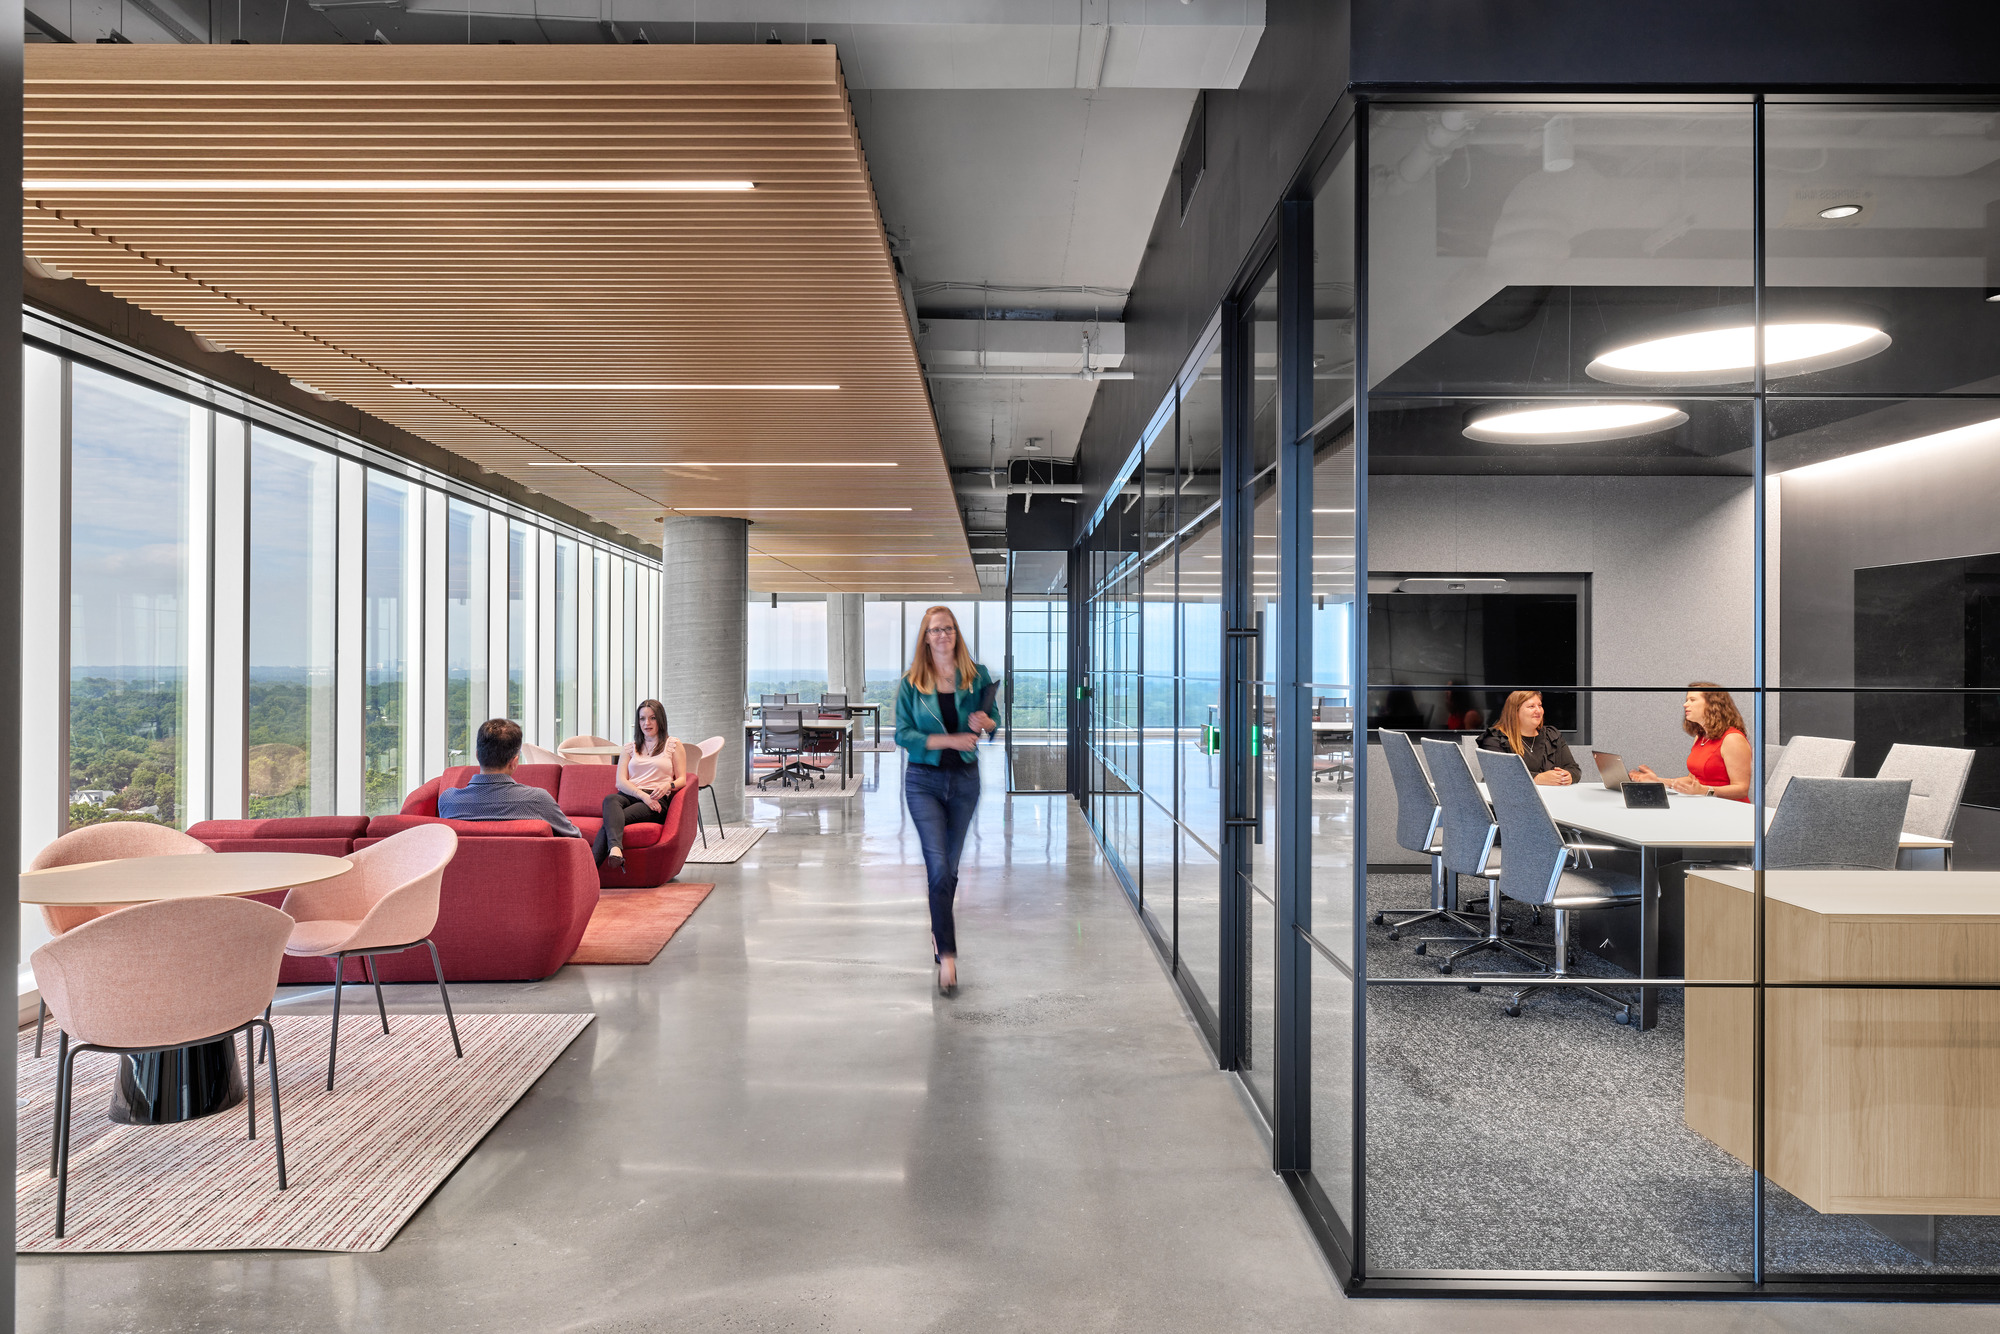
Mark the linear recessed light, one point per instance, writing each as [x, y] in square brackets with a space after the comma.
[818, 509]
[1346, 511]
[370, 185]
[566, 463]
[591, 386]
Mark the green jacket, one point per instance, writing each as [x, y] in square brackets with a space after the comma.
[918, 715]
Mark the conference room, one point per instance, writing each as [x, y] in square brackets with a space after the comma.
[1565, 496]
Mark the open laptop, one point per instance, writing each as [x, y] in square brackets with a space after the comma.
[1611, 768]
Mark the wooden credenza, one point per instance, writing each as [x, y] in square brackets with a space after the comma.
[1877, 1102]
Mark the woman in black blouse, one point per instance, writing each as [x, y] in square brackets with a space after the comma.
[1522, 732]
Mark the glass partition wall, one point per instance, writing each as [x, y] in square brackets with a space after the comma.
[1548, 447]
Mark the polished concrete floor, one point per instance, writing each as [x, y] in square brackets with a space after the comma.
[778, 1125]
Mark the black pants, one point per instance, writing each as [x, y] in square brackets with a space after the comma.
[619, 811]
[941, 799]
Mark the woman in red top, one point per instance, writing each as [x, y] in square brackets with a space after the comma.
[1719, 763]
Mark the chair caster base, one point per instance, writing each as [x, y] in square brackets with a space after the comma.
[1513, 1012]
[1506, 928]
[1445, 967]
[1381, 919]
[1622, 1017]
[1395, 935]
[1472, 986]
[1421, 948]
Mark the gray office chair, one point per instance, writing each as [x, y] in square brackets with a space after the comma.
[1937, 777]
[1418, 828]
[1469, 747]
[1542, 869]
[833, 701]
[1337, 761]
[1837, 824]
[1470, 848]
[1806, 757]
[784, 735]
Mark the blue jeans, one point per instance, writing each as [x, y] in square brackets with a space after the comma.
[942, 799]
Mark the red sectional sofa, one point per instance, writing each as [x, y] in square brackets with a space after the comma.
[516, 898]
[654, 853]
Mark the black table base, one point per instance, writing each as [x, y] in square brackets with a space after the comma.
[181, 1084]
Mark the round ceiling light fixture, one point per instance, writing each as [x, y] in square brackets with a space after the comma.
[1718, 347]
[1568, 423]
[1835, 212]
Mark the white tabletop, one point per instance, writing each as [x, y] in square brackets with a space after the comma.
[814, 724]
[190, 876]
[1688, 822]
[592, 750]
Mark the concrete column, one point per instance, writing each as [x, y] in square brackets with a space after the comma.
[844, 623]
[704, 640]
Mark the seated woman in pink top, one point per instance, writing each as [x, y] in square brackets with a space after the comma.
[649, 771]
[1719, 763]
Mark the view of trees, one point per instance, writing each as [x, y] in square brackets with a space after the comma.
[124, 739]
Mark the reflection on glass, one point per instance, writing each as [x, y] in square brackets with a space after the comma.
[388, 584]
[1883, 219]
[133, 455]
[465, 641]
[787, 648]
[632, 636]
[291, 624]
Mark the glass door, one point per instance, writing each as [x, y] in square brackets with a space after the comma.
[1037, 671]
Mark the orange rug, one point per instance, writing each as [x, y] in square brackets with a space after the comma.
[633, 925]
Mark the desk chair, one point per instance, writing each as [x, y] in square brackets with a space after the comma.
[1542, 869]
[833, 704]
[1338, 762]
[1806, 757]
[1837, 824]
[1469, 747]
[1470, 837]
[1419, 829]
[1937, 777]
[784, 736]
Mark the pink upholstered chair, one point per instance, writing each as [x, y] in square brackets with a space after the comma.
[113, 840]
[387, 904]
[533, 754]
[587, 759]
[704, 773]
[157, 976]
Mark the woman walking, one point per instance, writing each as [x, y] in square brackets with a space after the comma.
[941, 707]
[649, 772]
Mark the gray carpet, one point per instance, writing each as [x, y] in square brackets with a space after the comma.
[1555, 1140]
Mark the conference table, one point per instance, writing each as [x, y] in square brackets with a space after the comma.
[186, 1082]
[1690, 829]
[844, 726]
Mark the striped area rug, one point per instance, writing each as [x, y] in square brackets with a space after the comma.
[403, 1114]
[731, 849]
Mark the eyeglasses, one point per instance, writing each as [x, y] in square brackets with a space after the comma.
[940, 630]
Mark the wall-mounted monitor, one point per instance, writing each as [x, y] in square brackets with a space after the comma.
[1931, 628]
[1446, 648]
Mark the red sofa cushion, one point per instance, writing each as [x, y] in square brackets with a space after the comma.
[325, 847]
[293, 826]
[584, 788]
[384, 825]
[636, 835]
[424, 801]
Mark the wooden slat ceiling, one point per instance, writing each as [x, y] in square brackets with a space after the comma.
[357, 293]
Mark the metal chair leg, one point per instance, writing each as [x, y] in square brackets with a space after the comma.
[250, 1073]
[368, 962]
[1560, 976]
[277, 1120]
[717, 803]
[56, 1122]
[1492, 940]
[62, 1141]
[333, 1040]
[700, 825]
[438, 967]
[41, 1017]
[265, 1045]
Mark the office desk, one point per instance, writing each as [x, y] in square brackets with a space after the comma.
[845, 726]
[1691, 828]
[1876, 1102]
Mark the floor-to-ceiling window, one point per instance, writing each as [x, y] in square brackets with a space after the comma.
[291, 616]
[390, 583]
[138, 467]
[466, 605]
[567, 723]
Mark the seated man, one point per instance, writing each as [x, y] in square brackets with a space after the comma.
[493, 794]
